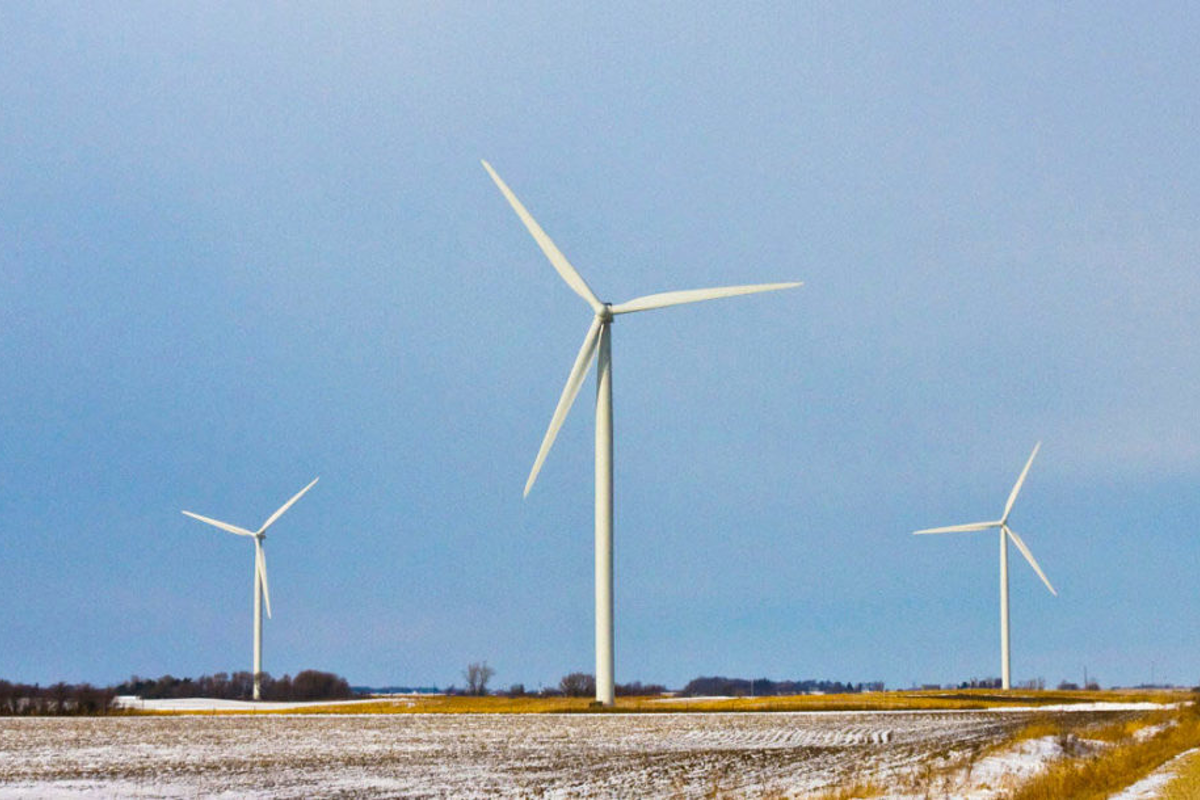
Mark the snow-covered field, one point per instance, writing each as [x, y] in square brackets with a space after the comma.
[480, 755]
[217, 704]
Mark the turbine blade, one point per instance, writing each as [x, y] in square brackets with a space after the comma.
[970, 526]
[260, 560]
[225, 526]
[286, 506]
[569, 392]
[568, 272]
[1029, 557]
[1012, 498]
[664, 299]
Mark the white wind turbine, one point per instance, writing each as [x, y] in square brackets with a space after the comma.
[261, 590]
[598, 340]
[1006, 533]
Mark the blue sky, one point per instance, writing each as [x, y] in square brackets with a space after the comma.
[243, 246]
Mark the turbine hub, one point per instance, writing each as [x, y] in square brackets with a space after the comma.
[605, 314]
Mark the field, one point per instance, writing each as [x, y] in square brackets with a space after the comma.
[929, 700]
[696, 754]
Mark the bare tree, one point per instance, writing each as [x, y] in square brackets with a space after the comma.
[578, 684]
[477, 675]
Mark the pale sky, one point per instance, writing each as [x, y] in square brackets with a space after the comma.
[243, 246]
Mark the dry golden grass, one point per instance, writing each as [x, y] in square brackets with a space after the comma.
[880, 701]
[1122, 731]
[1124, 763]
[1062, 724]
[926, 700]
[1186, 784]
[944, 779]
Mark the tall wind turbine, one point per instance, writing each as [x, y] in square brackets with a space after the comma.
[261, 590]
[1006, 533]
[599, 340]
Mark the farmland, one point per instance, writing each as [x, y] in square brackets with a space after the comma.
[464, 755]
[928, 700]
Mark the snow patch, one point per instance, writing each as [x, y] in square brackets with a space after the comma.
[217, 704]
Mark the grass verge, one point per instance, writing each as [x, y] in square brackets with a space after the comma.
[952, 774]
[1186, 783]
[1127, 760]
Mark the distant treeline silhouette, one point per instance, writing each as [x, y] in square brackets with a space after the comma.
[59, 699]
[310, 684]
[66, 699]
[579, 684]
[737, 687]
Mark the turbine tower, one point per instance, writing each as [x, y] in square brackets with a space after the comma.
[597, 344]
[1006, 533]
[261, 590]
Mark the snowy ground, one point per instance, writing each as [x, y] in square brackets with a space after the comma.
[426, 755]
[215, 704]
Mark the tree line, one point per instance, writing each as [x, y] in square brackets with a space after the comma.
[309, 684]
[477, 675]
[79, 699]
[59, 699]
[583, 684]
[574, 684]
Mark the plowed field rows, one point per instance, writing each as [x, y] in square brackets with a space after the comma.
[578, 755]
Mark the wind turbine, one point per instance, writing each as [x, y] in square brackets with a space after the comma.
[1006, 533]
[599, 340]
[261, 590]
